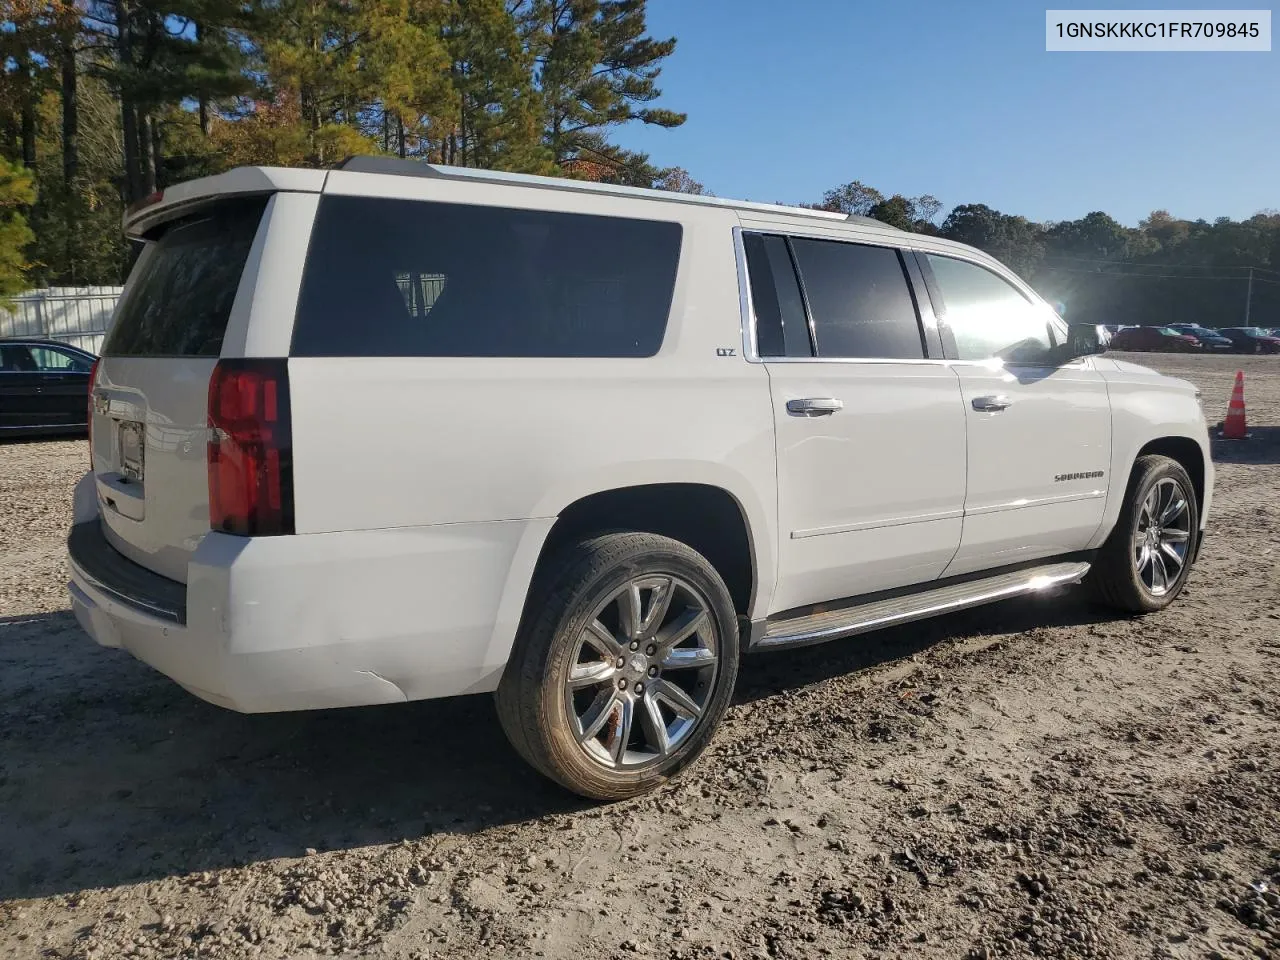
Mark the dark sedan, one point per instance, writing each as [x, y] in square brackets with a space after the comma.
[1251, 340]
[44, 387]
[1209, 339]
[1159, 339]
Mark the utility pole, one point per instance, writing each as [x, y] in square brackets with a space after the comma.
[1248, 298]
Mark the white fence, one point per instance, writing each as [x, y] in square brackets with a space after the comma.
[75, 315]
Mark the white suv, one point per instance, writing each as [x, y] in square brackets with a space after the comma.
[396, 431]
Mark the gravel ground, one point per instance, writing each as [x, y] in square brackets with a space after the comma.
[1035, 778]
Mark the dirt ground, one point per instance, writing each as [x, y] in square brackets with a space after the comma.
[1036, 778]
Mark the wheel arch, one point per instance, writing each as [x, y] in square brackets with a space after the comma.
[1185, 451]
[719, 516]
[706, 517]
[1189, 451]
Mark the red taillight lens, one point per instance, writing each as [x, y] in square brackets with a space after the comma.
[93, 382]
[250, 448]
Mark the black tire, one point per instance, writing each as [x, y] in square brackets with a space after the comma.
[542, 719]
[1117, 578]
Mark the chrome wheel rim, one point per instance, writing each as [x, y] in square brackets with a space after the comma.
[642, 672]
[1162, 537]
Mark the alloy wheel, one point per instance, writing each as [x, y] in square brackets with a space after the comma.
[642, 672]
[1162, 537]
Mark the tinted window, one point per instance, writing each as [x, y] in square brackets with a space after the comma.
[53, 360]
[861, 304]
[179, 302]
[17, 358]
[782, 330]
[402, 278]
[987, 315]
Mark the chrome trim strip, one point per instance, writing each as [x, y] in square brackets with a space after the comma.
[884, 613]
[1037, 502]
[876, 524]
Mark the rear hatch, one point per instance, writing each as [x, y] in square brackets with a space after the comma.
[149, 406]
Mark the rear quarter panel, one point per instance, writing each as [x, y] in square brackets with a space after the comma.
[402, 442]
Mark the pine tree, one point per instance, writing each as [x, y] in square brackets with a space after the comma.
[596, 68]
[156, 54]
[494, 106]
[17, 190]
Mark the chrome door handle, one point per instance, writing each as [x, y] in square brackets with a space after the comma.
[992, 404]
[814, 407]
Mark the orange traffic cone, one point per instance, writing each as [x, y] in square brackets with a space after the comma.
[1233, 428]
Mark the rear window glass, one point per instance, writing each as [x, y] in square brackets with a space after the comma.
[396, 278]
[181, 294]
[861, 304]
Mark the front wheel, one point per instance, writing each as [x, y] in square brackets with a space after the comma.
[623, 667]
[1144, 564]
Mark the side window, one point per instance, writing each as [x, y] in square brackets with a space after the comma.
[398, 278]
[860, 300]
[17, 359]
[782, 330]
[52, 360]
[987, 315]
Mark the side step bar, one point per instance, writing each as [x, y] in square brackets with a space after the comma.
[863, 618]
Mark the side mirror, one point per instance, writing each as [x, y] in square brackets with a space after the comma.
[1083, 340]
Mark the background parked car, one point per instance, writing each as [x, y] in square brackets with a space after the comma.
[1159, 339]
[1251, 340]
[44, 387]
[1209, 339]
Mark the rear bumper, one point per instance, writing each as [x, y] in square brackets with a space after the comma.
[322, 620]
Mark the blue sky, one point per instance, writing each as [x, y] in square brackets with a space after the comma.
[961, 100]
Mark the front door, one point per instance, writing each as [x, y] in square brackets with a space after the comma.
[870, 433]
[1039, 431]
[65, 384]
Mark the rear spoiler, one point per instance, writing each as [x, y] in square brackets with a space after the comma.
[242, 181]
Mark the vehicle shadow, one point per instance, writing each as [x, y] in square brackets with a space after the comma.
[20, 439]
[112, 774]
[766, 674]
[1261, 446]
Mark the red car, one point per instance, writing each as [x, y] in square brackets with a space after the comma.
[1159, 339]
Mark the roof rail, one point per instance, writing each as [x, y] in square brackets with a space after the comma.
[397, 166]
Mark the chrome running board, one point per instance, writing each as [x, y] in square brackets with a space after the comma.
[864, 617]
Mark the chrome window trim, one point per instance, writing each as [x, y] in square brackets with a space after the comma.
[747, 311]
[747, 321]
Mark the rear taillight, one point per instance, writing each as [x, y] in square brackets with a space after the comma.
[93, 382]
[250, 448]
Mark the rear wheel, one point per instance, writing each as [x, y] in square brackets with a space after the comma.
[1144, 564]
[623, 667]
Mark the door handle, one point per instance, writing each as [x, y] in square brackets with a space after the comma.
[992, 404]
[814, 407]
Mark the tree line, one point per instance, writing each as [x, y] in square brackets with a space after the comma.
[104, 101]
[1166, 270]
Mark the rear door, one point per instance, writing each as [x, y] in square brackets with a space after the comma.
[151, 393]
[868, 421]
[21, 396]
[1039, 431]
